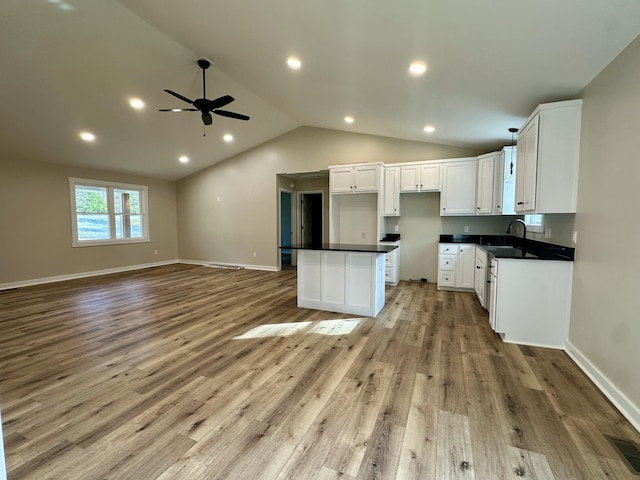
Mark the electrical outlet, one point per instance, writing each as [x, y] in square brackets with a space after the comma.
[364, 235]
[396, 228]
[155, 252]
[574, 237]
[255, 254]
[547, 232]
[466, 229]
[218, 198]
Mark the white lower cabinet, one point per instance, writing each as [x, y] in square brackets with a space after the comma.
[456, 263]
[481, 276]
[339, 281]
[392, 264]
[531, 301]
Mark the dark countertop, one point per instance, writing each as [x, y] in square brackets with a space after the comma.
[523, 249]
[344, 247]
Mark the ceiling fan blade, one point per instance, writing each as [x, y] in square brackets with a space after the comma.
[225, 113]
[177, 95]
[207, 119]
[220, 102]
[178, 110]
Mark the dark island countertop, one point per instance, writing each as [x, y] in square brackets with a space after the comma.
[343, 247]
[498, 246]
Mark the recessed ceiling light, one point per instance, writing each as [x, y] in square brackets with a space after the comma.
[348, 119]
[136, 103]
[228, 137]
[294, 63]
[417, 68]
[429, 129]
[184, 159]
[87, 136]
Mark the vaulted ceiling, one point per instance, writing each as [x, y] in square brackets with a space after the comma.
[72, 65]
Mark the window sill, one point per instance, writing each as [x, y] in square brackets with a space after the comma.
[97, 243]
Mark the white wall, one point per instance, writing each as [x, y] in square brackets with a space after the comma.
[605, 312]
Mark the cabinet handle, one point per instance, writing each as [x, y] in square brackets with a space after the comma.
[520, 203]
[478, 267]
[416, 187]
[478, 208]
[420, 186]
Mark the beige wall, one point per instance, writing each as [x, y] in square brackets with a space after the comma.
[605, 311]
[36, 223]
[229, 211]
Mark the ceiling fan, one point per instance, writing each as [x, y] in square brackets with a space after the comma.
[203, 105]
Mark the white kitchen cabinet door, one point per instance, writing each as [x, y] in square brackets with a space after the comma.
[430, 177]
[526, 178]
[391, 191]
[420, 177]
[355, 179]
[480, 273]
[341, 180]
[547, 181]
[465, 267]
[533, 301]
[410, 178]
[458, 195]
[485, 186]
[366, 178]
[505, 198]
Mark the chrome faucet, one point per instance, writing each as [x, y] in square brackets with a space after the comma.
[524, 227]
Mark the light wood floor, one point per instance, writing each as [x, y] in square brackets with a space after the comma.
[141, 376]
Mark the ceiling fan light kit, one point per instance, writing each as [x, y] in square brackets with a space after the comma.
[204, 105]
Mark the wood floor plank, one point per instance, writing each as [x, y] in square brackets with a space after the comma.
[193, 373]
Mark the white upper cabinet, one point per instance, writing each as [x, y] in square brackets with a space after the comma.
[526, 180]
[458, 195]
[485, 185]
[420, 177]
[504, 192]
[391, 191]
[548, 154]
[355, 179]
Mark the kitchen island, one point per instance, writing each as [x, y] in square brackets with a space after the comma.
[342, 278]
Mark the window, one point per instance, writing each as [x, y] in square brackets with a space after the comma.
[105, 213]
[535, 223]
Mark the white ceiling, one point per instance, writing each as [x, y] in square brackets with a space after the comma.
[71, 65]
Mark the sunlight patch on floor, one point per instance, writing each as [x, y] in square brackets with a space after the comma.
[322, 327]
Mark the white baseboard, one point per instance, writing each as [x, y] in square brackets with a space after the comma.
[630, 411]
[268, 268]
[73, 276]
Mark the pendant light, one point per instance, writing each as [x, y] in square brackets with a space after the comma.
[513, 143]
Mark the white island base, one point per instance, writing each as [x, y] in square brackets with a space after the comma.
[341, 281]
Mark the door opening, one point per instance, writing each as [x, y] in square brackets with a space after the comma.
[286, 227]
[311, 218]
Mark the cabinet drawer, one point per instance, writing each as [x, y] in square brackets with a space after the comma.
[390, 259]
[447, 262]
[448, 248]
[447, 279]
[388, 274]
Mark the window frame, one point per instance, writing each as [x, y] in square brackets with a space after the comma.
[111, 187]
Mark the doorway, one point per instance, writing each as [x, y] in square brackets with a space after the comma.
[287, 216]
[311, 218]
